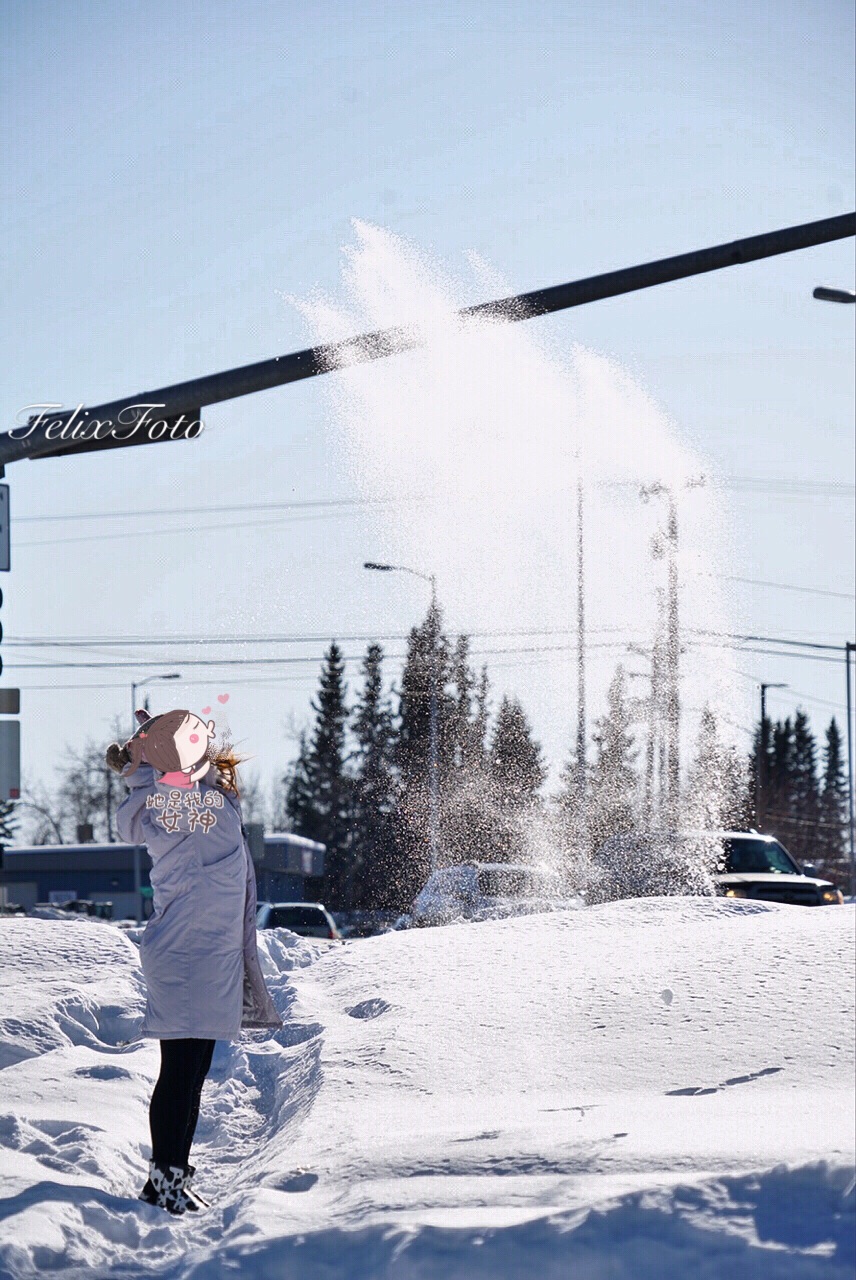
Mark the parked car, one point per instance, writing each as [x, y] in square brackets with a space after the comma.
[84, 907]
[364, 924]
[757, 866]
[488, 891]
[746, 865]
[309, 919]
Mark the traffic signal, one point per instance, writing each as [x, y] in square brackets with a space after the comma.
[10, 735]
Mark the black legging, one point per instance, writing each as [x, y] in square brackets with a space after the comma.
[174, 1108]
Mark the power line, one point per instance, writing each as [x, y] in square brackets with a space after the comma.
[397, 657]
[323, 508]
[787, 586]
[216, 508]
[327, 636]
[783, 484]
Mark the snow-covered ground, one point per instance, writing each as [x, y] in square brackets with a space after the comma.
[646, 1089]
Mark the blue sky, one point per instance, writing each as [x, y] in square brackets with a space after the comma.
[171, 171]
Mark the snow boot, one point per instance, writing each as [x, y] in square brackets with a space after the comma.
[189, 1171]
[165, 1188]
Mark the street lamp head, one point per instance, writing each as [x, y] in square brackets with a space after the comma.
[383, 568]
[825, 294]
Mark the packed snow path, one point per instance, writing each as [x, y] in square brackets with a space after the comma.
[655, 1087]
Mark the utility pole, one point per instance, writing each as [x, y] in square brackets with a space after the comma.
[665, 658]
[672, 681]
[433, 763]
[581, 660]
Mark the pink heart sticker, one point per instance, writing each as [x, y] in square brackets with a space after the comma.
[222, 697]
[205, 710]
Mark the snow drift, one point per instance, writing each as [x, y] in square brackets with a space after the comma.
[651, 1087]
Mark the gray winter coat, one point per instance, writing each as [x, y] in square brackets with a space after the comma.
[198, 949]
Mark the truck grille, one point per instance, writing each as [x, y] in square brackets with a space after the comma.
[804, 896]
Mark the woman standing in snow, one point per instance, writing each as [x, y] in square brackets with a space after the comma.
[198, 950]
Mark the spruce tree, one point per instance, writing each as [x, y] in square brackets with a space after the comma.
[468, 819]
[426, 667]
[803, 797]
[320, 787]
[613, 785]
[777, 807]
[715, 795]
[478, 738]
[516, 774]
[833, 809]
[516, 760]
[299, 799]
[373, 865]
[466, 749]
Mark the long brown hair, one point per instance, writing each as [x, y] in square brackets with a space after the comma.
[154, 744]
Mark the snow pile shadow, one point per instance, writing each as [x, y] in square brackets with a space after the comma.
[261, 1087]
[66, 983]
[71, 1177]
[782, 1224]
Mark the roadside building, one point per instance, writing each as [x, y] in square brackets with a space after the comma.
[119, 873]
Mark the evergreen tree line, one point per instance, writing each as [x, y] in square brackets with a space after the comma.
[799, 793]
[360, 783]
[361, 780]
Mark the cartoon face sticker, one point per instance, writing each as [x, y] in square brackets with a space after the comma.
[191, 741]
[176, 742]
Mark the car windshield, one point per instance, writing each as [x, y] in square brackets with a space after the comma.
[508, 882]
[763, 857]
[297, 918]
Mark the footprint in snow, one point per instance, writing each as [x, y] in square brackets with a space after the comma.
[104, 1072]
[297, 1180]
[696, 1091]
[369, 1008]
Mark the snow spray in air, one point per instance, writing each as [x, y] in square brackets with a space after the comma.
[535, 480]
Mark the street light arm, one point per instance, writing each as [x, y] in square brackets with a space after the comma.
[400, 568]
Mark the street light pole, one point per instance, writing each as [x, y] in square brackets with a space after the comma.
[433, 730]
[138, 684]
[581, 659]
[849, 648]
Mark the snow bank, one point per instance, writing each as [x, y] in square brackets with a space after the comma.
[658, 1087]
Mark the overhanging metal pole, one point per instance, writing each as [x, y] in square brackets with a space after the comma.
[190, 397]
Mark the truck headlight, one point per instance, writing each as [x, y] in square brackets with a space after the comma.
[831, 895]
[736, 893]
